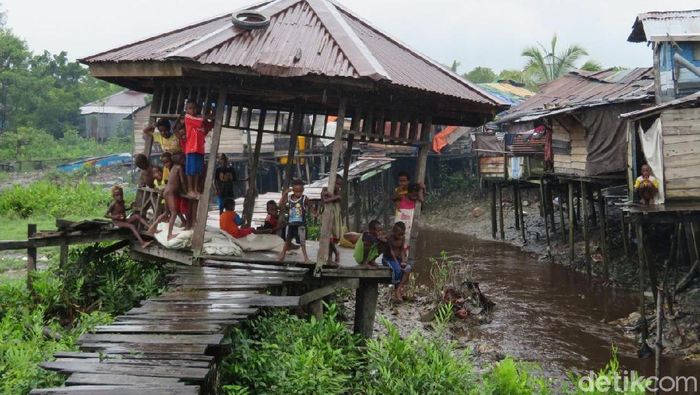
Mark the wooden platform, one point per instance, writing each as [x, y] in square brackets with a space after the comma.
[167, 345]
[671, 212]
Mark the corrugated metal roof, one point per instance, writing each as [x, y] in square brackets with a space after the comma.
[686, 101]
[662, 23]
[507, 92]
[581, 89]
[305, 37]
[124, 102]
[359, 168]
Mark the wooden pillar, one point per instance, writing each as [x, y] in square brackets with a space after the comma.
[516, 208]
[641, 255]
[577, 219]
[584, 220]
[326, 219]
[543, 200]
[252, 192]
[591, 206]
[346, 169]
[203, 204]
[500, 212]
[602, 210]
[561, 213]
[291, 151]
[387, 210]
[520, 213]
[550, 205]
[365, 307]
[421, 166]
[494, 221]
[571, 222]
[357, 206]
[31, 256]
[155, 107]
[63, 256]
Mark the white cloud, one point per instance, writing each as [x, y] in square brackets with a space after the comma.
[477, 33]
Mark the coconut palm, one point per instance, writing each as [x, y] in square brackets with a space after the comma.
[547, 65]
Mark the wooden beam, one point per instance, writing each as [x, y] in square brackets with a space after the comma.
[252, 192]
[494, 221]
[561, 212]
[326, 219]
[571, 222]
[584, 220]
[602, 209]
[500, 212]
[320, 293]
[365, 308]
[203, 204]
[31, 256]
[641, 256]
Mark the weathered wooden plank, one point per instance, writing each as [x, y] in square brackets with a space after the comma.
[171, 328]
[213, 263]
[179, 308]
[131, 348]
[119, 390]
[141, 362]
[201, 313]
[688, 182]
[327, 290]
[671, 150]
[151, 339]
[201, 295]
[190, 374]
[78, 354]
[262, 300]
[676, 139]
[120, 379]
[238, 271]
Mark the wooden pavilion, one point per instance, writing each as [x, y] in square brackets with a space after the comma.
[287, 60]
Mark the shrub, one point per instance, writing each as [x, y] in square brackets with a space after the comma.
[284, 354]
[511, 377]
[54, 199]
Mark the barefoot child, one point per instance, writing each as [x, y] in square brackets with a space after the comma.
[117, 213]
[394, 256]
[272, 225]
[331, 202]
[146, 177]
[297, 205]
[647, 186]
[370, 244]
[401, 190]
[196, 130]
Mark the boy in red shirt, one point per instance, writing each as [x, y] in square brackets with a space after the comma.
[232, 223]
[196, 129]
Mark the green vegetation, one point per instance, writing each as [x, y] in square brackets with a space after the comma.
[63, 305]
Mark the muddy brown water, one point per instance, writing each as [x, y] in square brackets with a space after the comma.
[545, 313]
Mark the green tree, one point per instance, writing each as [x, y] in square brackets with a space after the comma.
[592, 65]
[546, 64]
[455, 66]
[480, 75]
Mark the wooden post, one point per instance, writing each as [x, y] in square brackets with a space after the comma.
[365, 307]
[421, 167]
[520, 213]
[252, 192]
[603, 233]
[641, 255]
[31, 256]
[326, 219]
[63, 256]
[571, 222]
[494, 221]
[346, 168]
[500, 212]
[157, 98]
[561, 213]
[203, 204]
[516, 208]
[591, 206]
[550, 206]
[291, 152]
[387, 211]
[357, 206]
[543, 196]
[659, 330]
[577, 219]
[584, 220]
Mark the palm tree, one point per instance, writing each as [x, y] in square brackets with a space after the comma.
[547, 65]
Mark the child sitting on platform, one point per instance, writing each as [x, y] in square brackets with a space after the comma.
[272, 225]
[232, 223]
[297, 206]
[647, 186]
[367, 249]
[117, 213]
[196, 130]
[394, 256]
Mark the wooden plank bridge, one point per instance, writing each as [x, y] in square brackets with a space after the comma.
[170, 343]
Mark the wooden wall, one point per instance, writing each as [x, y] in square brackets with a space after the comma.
[492, 167]
[681, 137]
[569, 144]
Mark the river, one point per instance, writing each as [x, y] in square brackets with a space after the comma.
[545, 313]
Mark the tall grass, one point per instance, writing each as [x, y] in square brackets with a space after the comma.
[55, 198]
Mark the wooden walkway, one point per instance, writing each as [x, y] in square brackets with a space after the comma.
[169, 343]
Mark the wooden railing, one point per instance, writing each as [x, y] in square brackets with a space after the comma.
[149, 203]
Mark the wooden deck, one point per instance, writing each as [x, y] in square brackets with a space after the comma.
[169, 343]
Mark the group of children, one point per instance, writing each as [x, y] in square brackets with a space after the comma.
[179, 178]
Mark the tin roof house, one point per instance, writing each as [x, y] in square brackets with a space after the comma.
[106, 117]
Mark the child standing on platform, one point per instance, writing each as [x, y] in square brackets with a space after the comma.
[297, 206]
[196, 130]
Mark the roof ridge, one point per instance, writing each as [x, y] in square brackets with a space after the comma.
[191, 51]
[366, 65]
[425, 58]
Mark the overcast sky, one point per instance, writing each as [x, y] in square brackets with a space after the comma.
[475, 32]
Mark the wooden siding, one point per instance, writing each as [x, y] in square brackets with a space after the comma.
[681, 135]
[573, 160]
[492, 167]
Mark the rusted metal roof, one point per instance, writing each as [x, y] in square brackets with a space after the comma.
[662, 23]
[580, 89]
[686, 101]
[305, 37]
